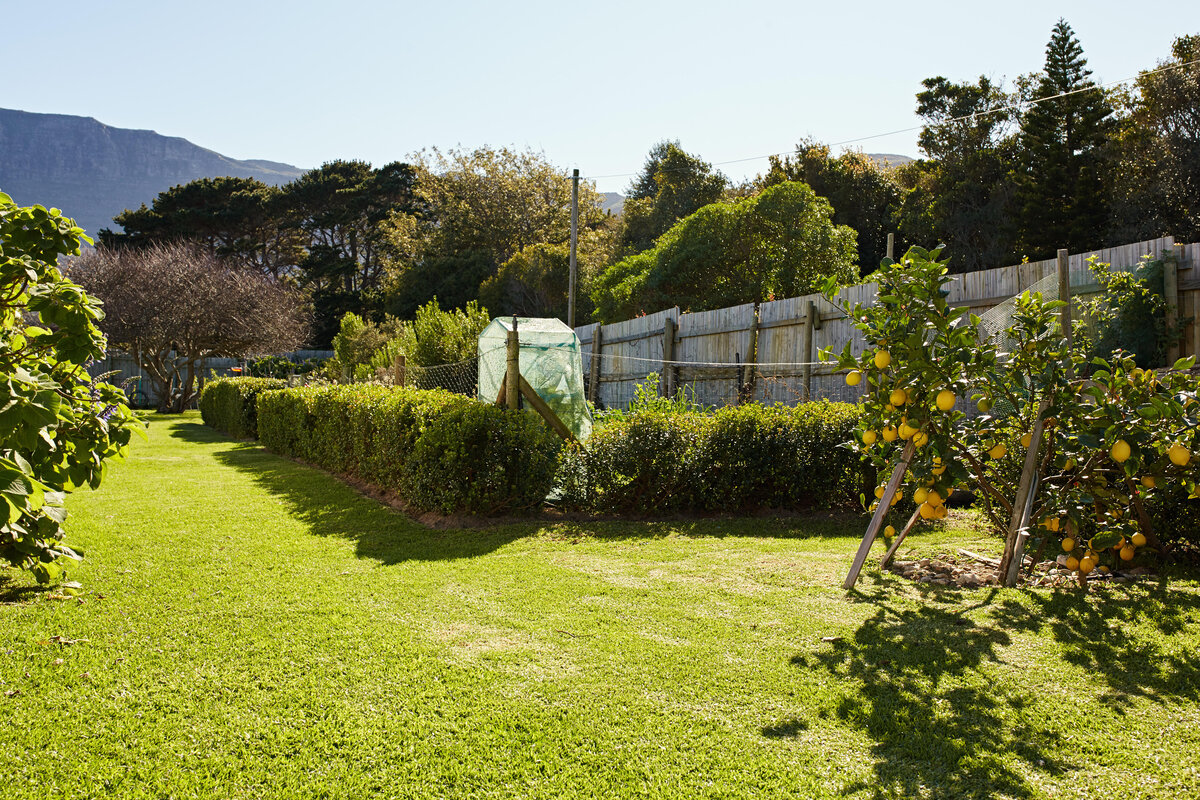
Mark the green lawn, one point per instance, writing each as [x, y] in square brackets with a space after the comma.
[253, 628]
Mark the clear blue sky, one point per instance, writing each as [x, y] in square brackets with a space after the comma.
[593, 85]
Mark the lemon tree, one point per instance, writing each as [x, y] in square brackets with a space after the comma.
[1111, 433]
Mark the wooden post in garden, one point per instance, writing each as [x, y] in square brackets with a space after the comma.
[881, 509]
[399, 375]
[1018, 526]
[1064, 293]
[746, 391]
[574, 248]
[811, 323]
[1171, 295]
[668, 378]
[594, 383]
[886, 561]
[891, 246]
[512, 375]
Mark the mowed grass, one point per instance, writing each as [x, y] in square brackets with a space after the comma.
[250, 627]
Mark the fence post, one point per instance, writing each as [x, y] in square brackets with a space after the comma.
[512, 375]
[399, 375]
[1171, 295]
[746, 392]
[668, 378]
[597, 343]
[891, 246]
[1064, 293]
[810, 324]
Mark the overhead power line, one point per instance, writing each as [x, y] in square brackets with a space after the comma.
[976, 115]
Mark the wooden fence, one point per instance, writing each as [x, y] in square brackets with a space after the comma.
[767, 352]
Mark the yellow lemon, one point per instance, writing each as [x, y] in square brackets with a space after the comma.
[939, 512]
[853, 378]
[1148, 481]
[998, 451]
[1070, 465]
[1026, 439]
[920, 438]
[1120, 451]
[945, 400]
[1138, 539]
[927, 511]
[1068, 544]
[869, 437]
[889, 434]
[984, 405]
[920, 495]
[1072, 563]
[906, 430]
[882, 359]
[1086, 565]
[933, 498]
[1179, 455]
[897, 497]
[898, 397]
[878, 492]
[889, 532]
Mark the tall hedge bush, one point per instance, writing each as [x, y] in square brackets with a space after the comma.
[438, 450]
[230, 404]
[735, 459]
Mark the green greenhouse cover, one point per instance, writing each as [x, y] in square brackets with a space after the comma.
[551, 362]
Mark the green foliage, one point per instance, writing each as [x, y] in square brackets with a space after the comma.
[59, 428]
[482, 459]
[230, 404]
[670, 457]
[1129, 314]
[437, 450]
[781, 243]
[282, 367]
[672, 185]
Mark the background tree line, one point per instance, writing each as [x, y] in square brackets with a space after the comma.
[1006, 172]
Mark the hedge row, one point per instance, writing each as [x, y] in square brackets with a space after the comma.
[736, 459]
[230, 404]
[439, 451]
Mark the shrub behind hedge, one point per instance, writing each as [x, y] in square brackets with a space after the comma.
[737, 459]
[438, 450]
[230, 404]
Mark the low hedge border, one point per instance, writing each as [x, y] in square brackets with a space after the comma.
[231, 404]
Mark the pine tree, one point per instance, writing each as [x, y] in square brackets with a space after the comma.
[1062, 197]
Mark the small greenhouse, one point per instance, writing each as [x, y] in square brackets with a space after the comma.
[551, 362]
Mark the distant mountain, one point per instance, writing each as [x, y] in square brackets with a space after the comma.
[889, 159]
[613, 201]
[93, 171]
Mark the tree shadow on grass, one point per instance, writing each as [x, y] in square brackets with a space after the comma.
[330, 507]
[916, 680]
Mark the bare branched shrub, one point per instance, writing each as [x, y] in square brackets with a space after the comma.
[172, 305]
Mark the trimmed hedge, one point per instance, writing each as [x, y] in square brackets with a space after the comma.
[230, 404]
[736, 459]
[438, 450]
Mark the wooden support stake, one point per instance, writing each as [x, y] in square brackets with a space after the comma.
[886, 561]
[1064, 293]
[807, 347]
[512, 375]
[885, 502]
[594, 383]
[502, 395]
[539, 405]
[1010, 561]
[1171, 295]
[891, 246]
[399, 367]
[667, 381]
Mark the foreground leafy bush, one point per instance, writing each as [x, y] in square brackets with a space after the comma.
[229, 404]
[438, 450]
[670, 458]
[59, 428]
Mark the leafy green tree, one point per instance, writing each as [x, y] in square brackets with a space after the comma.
[1061, 186]
[535, 281]
[671, 185]
[1157, 175]
[864, 196]
[236, 218]
[781, 243]
[59, 428]
[962, 194]
[479, 208]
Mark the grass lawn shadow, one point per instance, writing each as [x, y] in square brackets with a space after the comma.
[330, 507]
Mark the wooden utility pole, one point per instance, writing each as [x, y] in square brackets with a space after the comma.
[574, 248]
[512, 375]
